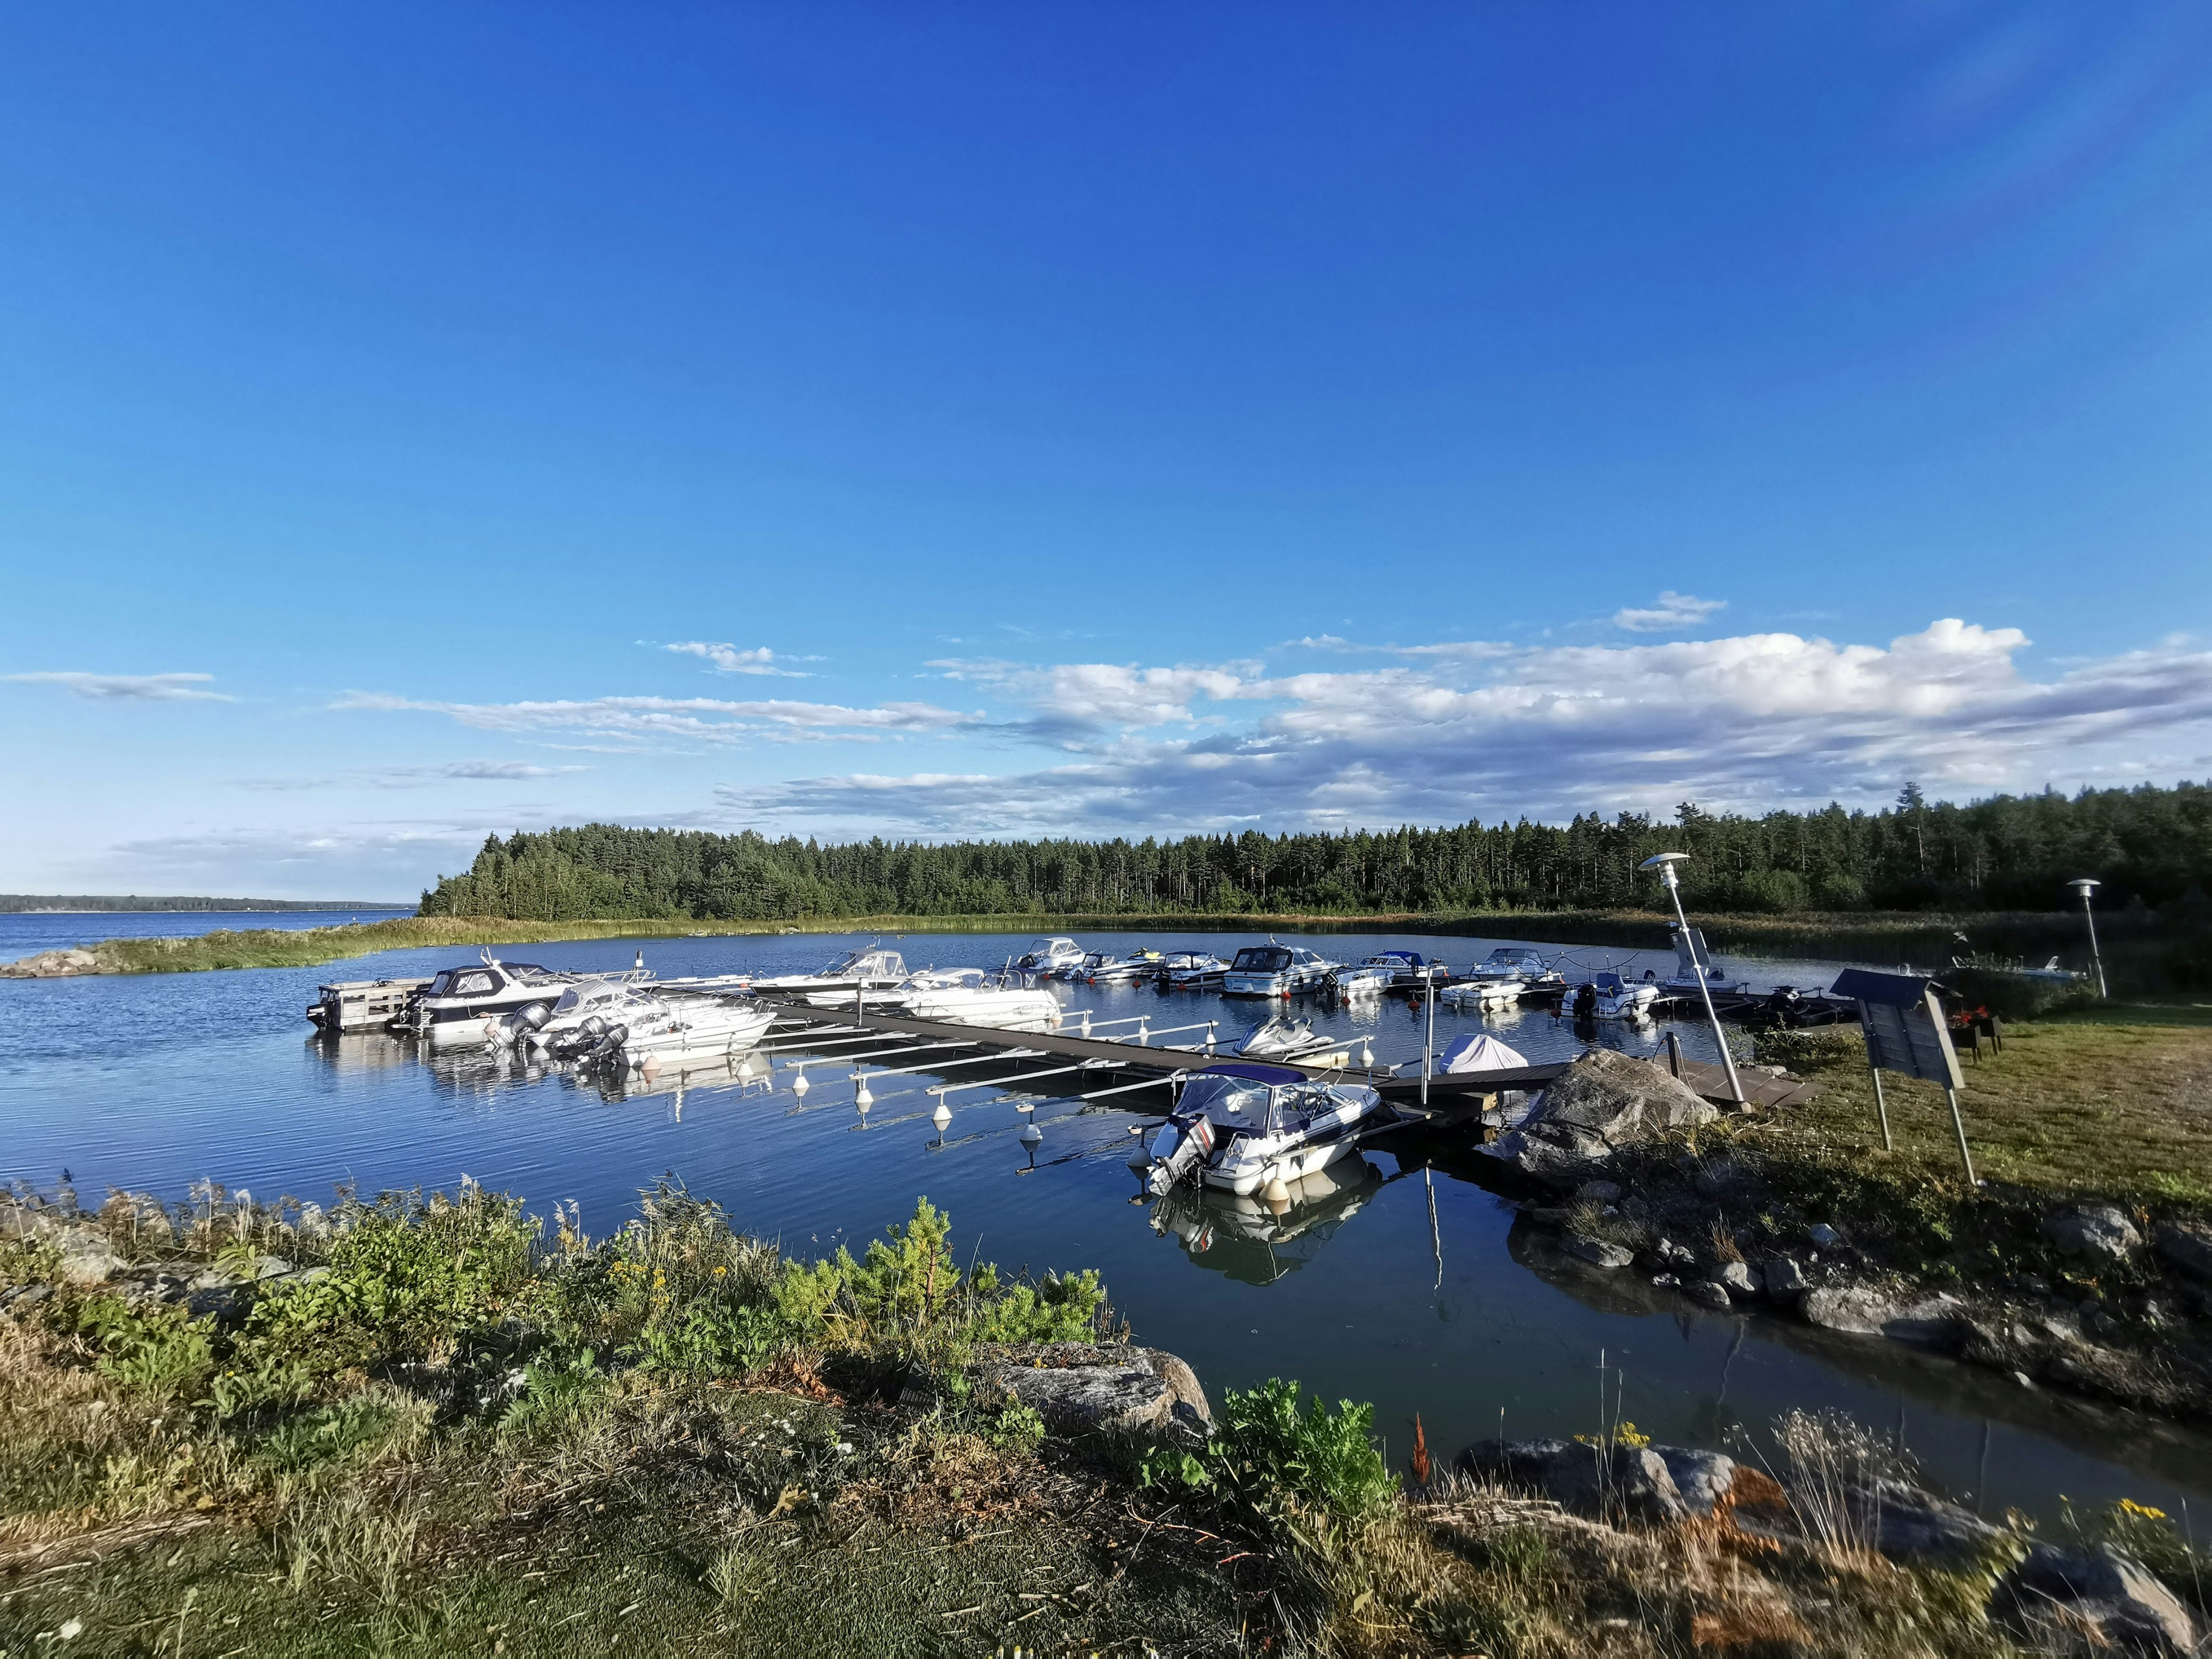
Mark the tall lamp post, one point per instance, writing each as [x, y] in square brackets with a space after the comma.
[2085, 886]
[1664, 863]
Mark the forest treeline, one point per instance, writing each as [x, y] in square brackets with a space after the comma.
[2150, 845]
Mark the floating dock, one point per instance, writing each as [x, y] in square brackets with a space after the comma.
[1096, 1065]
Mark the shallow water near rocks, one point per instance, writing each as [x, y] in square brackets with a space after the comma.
[1409, 1286]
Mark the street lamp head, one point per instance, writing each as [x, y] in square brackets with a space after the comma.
[2084, 886]
[1664, 863]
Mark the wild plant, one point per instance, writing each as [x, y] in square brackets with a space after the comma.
[157, 1350]
[2149, 1534]
[1830, 1468]
[1273, 1458]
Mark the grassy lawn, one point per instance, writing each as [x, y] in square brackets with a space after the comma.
[2107, 1104]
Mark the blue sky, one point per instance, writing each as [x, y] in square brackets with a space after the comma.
[419, 421]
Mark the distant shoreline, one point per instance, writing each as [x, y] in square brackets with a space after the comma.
[1877, 937]
[97, 904]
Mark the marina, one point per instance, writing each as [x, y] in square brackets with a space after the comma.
[1436, 1296]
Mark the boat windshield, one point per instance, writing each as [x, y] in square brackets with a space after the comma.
[1262, 959]
[440, 985]
[1237, 1101]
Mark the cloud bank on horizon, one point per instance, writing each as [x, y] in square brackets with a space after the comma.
[1448, 731]
[1428, 734]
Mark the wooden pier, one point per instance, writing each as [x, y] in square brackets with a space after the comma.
[1092, 1065]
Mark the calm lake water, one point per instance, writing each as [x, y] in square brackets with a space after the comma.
[1450, 1311]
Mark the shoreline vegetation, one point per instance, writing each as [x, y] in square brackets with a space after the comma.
[2135, 944]
[437, 1424]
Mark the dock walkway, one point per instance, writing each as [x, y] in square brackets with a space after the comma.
[1453, 1098]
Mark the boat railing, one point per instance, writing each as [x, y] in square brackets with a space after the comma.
[1145, 1029]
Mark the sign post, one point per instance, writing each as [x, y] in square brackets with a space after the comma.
[1906, 1033]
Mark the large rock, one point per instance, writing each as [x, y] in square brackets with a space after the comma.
[87, 1257]
[1599, 1481]
[1734, 1277]
[1912, 1525]
[1081, 1388]
[1597, 1252]
[1702, 1479]
[1858, 1309]
[2103, 1601]
[1620, 1100]
[1600, 1104]
[2186, 1245]
[52, 964]
[2100, 1232]
[1785, 1280]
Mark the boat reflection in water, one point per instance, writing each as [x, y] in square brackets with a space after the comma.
[1255, 1241]
[745, 1073]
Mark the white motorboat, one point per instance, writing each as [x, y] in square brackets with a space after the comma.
[1608, 996]
[1191, 970]
[1104, 967]
[871, 969]
[1503, 977]
[684, 1029]
[1277, 1038]
[1370, 978]
[1048, 957]
[1388, 970]
[461, 1004]
[1246, 1128]
[638, 1023]
[1274, 969]
[967, 996]
[1694, 961]
[577, 1019]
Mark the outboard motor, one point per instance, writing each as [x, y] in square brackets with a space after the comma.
[610, 1045]
[1177, 1150]
[1586, 1001]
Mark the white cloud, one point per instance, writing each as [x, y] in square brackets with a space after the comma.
[129, 688]
[1672, 610]
[1075, 701]
[731, 660]
[1747, 722]
[701, 719]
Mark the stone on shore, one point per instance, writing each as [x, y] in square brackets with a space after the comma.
[1785, 1280]
[1081, 1388]
[1911, 1524]
[1735, 1278]
[2102, 1601]
[1600, 1104]
[2101, 1232]
[1593, 1480]
[1859, 1309]
[1702, 1479]
[1597, 1252]
[52, 964]
[2186, 1245]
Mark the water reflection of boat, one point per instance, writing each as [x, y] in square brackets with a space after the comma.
[745, 1073]
[1256, 1242]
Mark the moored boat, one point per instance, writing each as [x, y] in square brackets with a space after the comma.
[1250, 1128]
[1274, 969]
[1049, 956]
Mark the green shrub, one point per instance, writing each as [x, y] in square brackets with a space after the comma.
[555, 1389]
[349, 1434]
[155, 1349]
[407, 1280]
[1274, 1459]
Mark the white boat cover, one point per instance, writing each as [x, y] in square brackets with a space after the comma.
[1479, 1053]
